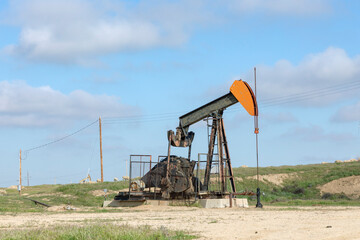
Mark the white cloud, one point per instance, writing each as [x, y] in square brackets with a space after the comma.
[68, 31]
[348, 114]
[318, 80]
[72, 31]
[316, 71]
[282, 7]
[24, 105]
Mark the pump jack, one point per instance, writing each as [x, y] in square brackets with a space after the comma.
[240, 91]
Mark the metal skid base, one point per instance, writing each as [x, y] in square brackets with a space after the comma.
[205, 199]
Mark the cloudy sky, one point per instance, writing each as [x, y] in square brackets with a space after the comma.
[141, 64]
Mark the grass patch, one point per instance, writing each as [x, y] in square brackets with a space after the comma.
[92, 232]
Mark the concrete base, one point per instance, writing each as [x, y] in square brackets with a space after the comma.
[158, 202]
[205, 203]
[240, 202]
[223, 203]
[127, 203]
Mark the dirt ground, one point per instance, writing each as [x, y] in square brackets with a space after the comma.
[235, 223]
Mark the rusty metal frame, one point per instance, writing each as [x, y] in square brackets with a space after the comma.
[227, 157]
[141, 162]
[210, 153]
[197, 173]
[218, 132]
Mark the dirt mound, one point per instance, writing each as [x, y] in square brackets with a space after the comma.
[276, 179]
[13, 187]
[350, 186]
[2, 192]
[99, 193]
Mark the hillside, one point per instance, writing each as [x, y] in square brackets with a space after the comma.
[317, 184]
[304, 184]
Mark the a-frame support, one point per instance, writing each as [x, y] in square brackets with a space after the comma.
[218, 131]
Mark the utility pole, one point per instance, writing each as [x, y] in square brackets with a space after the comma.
[256, 124]
[101, 156]
[20, 174]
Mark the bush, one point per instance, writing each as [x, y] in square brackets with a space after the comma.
[334, 196]
[294, 189]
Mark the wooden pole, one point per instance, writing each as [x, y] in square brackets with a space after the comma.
[101, 156]
[20, 173]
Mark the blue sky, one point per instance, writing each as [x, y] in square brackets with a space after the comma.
[141, 64]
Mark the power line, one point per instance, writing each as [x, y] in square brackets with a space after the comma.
[135, 121]
[348, 84]
[304, 98]
[310, 95]
[141, 116]
[60, 139]
[265, 103]
[316, 93]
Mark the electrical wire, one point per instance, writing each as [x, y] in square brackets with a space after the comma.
[336, 87]
[59, 139]
[298, 97]
[265, 103]
[308, 96]
[140, 120]
[141, 116]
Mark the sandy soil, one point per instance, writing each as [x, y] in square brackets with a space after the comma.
[350, 186]
[268, 223]
[276, 179]
[99, 193]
